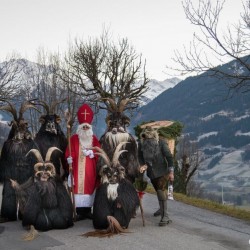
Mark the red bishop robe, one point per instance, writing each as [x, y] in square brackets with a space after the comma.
[84, 168]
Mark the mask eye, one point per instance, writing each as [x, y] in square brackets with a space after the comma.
[48, 168]
[41, 168]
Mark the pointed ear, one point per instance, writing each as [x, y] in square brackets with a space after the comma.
[103, 173]
[103, 170]
[121, 171]
[42, 119]
[58, 119]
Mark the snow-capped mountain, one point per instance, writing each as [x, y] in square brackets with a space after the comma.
[155, 88]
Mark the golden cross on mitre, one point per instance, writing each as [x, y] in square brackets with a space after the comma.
[85, 113]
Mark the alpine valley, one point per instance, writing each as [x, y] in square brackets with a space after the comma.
[219, 123]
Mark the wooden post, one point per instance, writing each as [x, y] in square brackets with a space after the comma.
[70, 165]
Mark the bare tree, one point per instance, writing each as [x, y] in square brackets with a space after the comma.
[110, 76]
[46, 85]
[213, 47]
[188, 158]
[103, 70]
[10, 77]
[74, 94]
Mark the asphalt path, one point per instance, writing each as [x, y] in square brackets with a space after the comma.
[192, 228]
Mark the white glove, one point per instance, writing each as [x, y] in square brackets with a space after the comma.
[69, 180]
[88, 152]
[70, 160]
[85, 152]
[91, 154]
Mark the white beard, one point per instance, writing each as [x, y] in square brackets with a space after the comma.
[115, 139]
[85, 136]
[112, 191]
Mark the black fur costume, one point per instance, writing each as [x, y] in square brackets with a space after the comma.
[117, 122]
[44, 200]
[49, 135]
[116, 196]
[14, 165]
[122, 208]
[13, 161]
[129, 159]
[48, 206]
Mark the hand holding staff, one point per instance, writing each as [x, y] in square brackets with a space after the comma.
[70, 161]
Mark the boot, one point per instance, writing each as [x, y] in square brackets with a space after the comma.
[88, 213]
[84, 213]
[162, 197]
[80, 214]
[157, 212]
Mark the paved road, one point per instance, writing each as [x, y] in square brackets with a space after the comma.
[192, 228]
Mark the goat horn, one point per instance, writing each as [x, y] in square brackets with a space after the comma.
[112, 103]
[37, 153]
[118, 152]
[54, 104]
[26, 105]
[44, 105]
[123, 103]
[10, 108]
[103, 154]
[49, 153]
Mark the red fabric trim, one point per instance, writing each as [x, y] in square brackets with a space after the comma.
[140, 194]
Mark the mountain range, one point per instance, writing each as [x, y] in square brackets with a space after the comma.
[155, 88]
[219, 124]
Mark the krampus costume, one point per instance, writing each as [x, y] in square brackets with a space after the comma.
[44, 201]
[154, 152]
[116, 198]
[13, 163]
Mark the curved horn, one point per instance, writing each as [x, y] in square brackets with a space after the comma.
[44, 105]
[54, 104]
[10, 108]
[49, 153]
[112, 103]
[123, 103]
[37, 153]
[103, 154]
[26, 105]
[118, 152]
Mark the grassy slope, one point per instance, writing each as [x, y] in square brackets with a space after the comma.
[209, 205]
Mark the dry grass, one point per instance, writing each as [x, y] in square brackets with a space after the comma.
[232, 211]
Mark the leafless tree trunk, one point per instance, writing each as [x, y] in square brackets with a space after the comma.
[213, 47]
[46, 85]
[10, 77]
[99, 68]
[74, 95]
[188, 158]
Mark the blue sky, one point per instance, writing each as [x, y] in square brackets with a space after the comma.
[154, 27]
